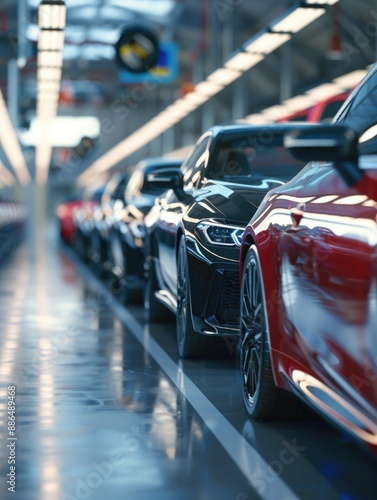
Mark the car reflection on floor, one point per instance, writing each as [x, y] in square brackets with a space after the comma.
[105, 408]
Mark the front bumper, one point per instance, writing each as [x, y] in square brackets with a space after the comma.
[215, 291]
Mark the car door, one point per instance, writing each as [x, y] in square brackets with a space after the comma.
[172, 207]
[332, 274]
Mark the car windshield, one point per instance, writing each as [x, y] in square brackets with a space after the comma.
[360, 113]
[252, 160]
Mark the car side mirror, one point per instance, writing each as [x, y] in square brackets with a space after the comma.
[166, 178]
[335, 143]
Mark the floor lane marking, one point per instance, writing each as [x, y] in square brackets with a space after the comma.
[246, 458]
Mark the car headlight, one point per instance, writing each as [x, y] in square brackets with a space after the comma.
[221, 234]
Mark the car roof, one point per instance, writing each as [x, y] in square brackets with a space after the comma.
[255, 128]
[160, 161]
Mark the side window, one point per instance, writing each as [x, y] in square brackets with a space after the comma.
[193, 166]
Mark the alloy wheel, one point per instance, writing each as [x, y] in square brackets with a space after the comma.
[253, 326]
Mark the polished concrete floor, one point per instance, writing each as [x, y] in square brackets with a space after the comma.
[106, 410]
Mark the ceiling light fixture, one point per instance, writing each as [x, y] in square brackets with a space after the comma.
[325, 91]
[208, 88]
[243, 61]
[10, 144]
[51, 40]
[50, 58]
[47, 86]
[321, 2]
[298, 103]
[350, 79]
[51, 15]
[224, 76]
[196, 98]
[6, 177]
[51, 74]
[51, 20]
[297, 20]
[267, 43]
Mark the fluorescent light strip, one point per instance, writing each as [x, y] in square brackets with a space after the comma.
[43, 151]
[267, 43]
[11, 146]
[321, 2]
[179, 107]
[208, 88]
[47, 86]
[50, 58]
[51, 19]
[307, 100]
[6, 177]
[43, 156]
[52, 16]
[49, 74]
[274, 113]
[255, 118]
[51, 40]
[299, 102]
[350, 80]
[224, 76]
[297, 20]
[243, 61]
[325, 91]
[196, 97]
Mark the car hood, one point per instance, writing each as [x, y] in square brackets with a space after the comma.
[234, 203]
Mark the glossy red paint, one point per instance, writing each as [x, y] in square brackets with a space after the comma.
[323, 111]
[298, 116]
[65, 212]
[316, 241]
[326, 110]
[320, 287]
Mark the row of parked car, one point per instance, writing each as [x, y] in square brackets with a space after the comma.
[12, 221]
[247, 243]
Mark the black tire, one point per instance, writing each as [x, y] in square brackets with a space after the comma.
[263, 400]
[78, 244]
[155, 311]
[128, 295]
[94, 254]
[106, 259]
[188, 340]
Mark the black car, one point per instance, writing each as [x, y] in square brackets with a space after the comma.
[112, 199]
[194, 232]
[83, 221]
[126, 234]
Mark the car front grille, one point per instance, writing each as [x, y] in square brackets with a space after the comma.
[228, 307]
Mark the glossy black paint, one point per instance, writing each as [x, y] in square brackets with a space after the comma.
[127, 232]
[213, 269]
[98, 244]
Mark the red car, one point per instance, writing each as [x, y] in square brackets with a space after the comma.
[71, 211]
[65, 212]
[308, 267]
[323, 111]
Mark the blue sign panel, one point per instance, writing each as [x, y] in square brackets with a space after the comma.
[165, 71]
